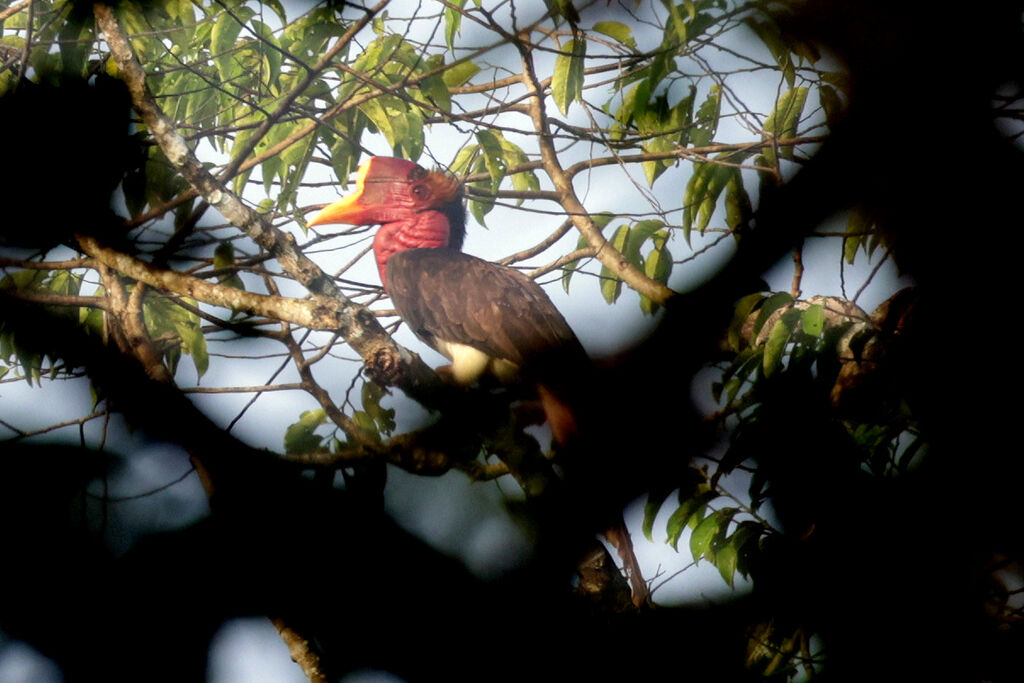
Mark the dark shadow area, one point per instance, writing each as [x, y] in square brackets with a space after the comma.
[893, 577]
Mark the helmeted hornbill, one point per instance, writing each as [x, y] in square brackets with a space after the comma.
[484, 317]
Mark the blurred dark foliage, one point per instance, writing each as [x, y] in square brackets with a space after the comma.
[894, 576]
[66, 148]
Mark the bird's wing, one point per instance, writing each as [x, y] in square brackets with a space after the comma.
[443, 294]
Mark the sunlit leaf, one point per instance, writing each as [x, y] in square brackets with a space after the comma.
[706, 118]
[494, 157]
[567, 80]
[812, 320]
[688, 507]
[616, 30]
[460, 73]
[726, 560]
[225, 33]
[782, 122]
[700, 539]
[452, 21]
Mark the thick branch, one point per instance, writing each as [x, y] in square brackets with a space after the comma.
[305, 312]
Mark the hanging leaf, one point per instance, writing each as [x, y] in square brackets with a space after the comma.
[775, 346]
[831, 103]
[567, 80]
[726, 560]
[706, 119]
[782, 122]
[222, 41]
[738, 209]
[658, 267]
[494, 157]
[743, 310]
[651, 508]
[700, 539]
[611, 285]
[688, 509]
[601, 220]
[452, 22]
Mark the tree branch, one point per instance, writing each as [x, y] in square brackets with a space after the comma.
[606, 254]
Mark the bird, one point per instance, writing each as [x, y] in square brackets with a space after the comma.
[486, 318]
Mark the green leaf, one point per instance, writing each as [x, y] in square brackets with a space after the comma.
[858, 228]
[675, 24]
[611, 285]
[271, 56]
[222, 41]
[769, 33]
[687, 509]
[718, 177]
[651, 508]
[775, 346]
[700, 539]
[739, 318]
[693, 194]
[738, 209]
[459, 73]
[706, 120]
[726, 559]
[658, 267]
[601, 220]
[381, 118]
[831, 103]
[300, 438]
[452, 21]
[383, 418]
[494, 157]
[782, 122]
[567, 80]
[812, 320]
[771, 304]
[616, 30]
[433, 89]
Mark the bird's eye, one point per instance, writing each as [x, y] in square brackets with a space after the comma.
[421, 192]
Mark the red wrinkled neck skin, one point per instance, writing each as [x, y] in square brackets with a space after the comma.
[427, 230]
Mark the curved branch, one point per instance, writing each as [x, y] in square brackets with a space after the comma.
[606, 253]
[305, 312]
